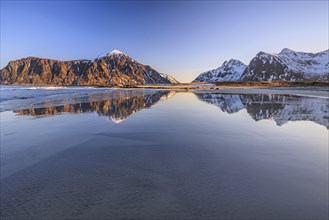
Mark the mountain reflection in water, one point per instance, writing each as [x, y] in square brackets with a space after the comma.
[120, 105]
[117, 108]
[280, 108]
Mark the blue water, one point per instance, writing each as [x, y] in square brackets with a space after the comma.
[20, 97]
[86, 153]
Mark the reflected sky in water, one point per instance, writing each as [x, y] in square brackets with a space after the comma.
[280, 108]
[119, 105]
[116, 107]
[176, 155]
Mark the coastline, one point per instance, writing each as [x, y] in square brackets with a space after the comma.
[311, 89]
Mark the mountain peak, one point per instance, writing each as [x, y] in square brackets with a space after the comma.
[231, 62]
[113, 52]
[230, 70]
[286, 51]
[116, 52]
[262, 53]
[236, 62]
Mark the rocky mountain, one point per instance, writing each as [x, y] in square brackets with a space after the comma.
[288, 65]
[110, 69]
[280, 108]
[229, 71]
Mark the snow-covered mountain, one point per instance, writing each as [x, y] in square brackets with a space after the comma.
[288, 65]
[229, 71]
[113, 68]
[310, 64]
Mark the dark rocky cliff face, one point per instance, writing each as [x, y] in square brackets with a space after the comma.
[113, 69]
[33, 70]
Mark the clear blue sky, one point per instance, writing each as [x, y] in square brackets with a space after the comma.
[179, 38]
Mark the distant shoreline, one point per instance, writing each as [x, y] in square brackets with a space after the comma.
[199, 85]
[310, 89]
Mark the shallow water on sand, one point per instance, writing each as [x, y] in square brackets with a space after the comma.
[150, 154]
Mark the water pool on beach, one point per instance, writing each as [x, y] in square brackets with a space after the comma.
[150, 154]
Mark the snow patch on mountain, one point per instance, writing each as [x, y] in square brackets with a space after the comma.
[170, 78]
[229, 71]
[288, 65]
[112, 53]
[308, 63]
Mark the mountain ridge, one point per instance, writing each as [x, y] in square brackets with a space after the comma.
[114, 68]
[287, 65]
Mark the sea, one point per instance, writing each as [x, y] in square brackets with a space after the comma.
[97, 153]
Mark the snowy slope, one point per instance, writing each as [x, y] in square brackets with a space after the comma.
[112, 53]
[229, 71]
[309, 64]
[288, 65]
